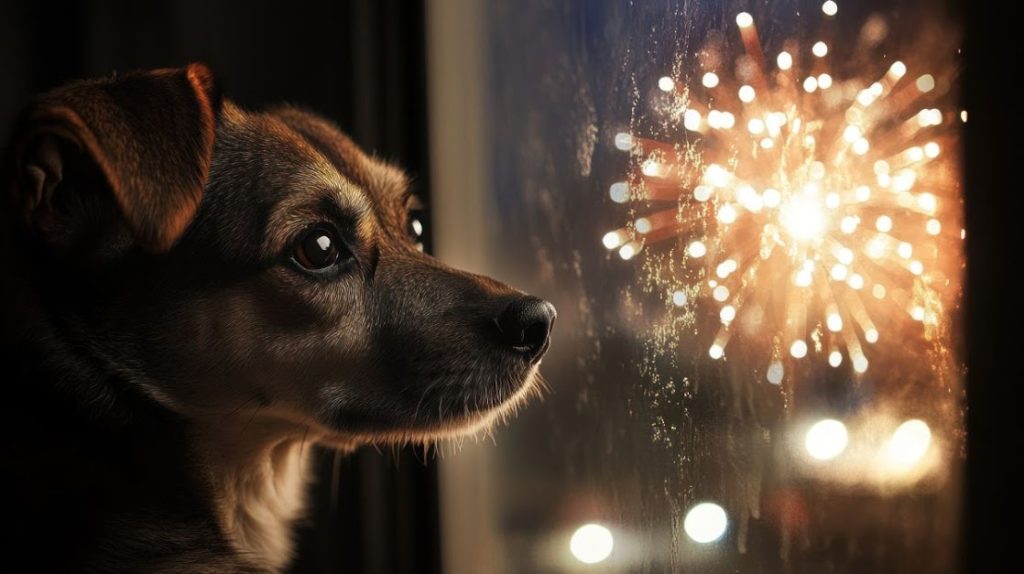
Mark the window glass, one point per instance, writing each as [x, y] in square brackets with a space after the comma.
[749, 218]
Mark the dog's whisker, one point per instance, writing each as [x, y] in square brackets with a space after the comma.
[251, 418]
[302, 446]
[422, 397]
[235, 410]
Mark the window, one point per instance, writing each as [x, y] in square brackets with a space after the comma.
[714, 408]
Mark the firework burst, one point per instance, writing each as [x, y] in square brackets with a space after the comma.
[809, 206]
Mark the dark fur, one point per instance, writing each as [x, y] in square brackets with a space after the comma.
[164, 350]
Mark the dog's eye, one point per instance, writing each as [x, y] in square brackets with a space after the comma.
[415, 226]
[416, 223]
[415, 229]
[317, 249]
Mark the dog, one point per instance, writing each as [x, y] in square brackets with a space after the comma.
[193, 294]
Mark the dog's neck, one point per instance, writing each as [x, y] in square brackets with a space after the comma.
[258, 474]
[244, 477]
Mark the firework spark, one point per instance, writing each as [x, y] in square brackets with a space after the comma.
[811, 208]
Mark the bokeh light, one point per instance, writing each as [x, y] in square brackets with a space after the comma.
[826, 439]
[705, 522]
[591, 543]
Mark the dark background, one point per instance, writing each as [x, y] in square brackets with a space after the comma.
[994, 156]
[362, 62]
[358, 62]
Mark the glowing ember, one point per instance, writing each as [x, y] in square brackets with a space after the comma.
[816, 202]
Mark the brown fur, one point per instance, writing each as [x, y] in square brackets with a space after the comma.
[175, 355]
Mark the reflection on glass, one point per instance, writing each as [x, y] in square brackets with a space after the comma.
[591, 543]
[751, 224]
[705, 522]
[908, 445]
[826, 439]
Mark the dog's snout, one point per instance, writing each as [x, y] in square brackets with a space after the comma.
[525, 325]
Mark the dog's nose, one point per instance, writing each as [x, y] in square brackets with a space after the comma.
[525, 325]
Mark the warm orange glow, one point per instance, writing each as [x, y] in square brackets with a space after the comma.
[826, 193]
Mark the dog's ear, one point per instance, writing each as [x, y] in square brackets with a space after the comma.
[146, 137]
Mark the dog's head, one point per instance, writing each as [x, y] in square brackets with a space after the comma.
[228, 263]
